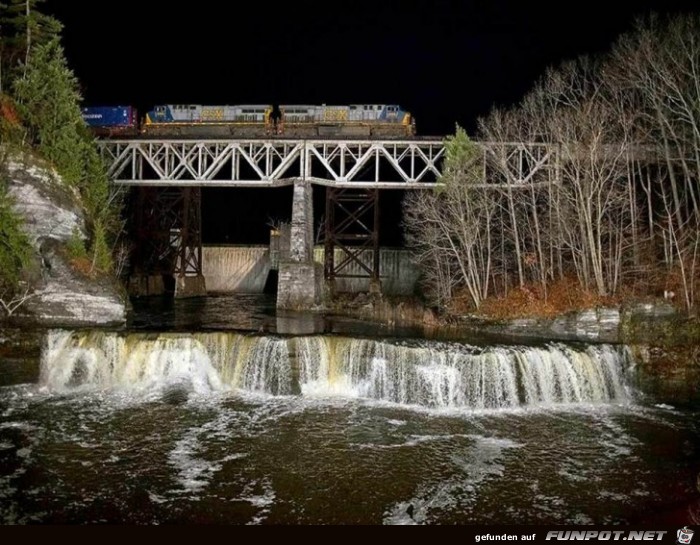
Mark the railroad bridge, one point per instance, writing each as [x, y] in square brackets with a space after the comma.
[170, 174]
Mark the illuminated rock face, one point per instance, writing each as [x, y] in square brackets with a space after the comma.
[53, 215]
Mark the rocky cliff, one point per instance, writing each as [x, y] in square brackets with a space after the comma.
[53, 215]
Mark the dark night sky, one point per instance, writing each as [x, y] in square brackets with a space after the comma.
[443, 61]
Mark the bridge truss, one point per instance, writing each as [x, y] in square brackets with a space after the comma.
[360, 164]
[260, 163]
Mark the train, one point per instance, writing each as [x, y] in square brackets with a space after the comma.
[252, 121]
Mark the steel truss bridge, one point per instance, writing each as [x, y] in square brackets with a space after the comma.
[169, 175]
[359, 164]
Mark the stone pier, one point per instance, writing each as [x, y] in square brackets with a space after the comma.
[299, 277]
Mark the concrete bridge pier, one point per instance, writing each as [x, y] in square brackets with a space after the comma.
[299, 284]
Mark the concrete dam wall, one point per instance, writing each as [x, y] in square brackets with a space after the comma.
[235, 269]
[245, 269]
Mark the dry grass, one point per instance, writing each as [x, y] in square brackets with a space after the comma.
[566, 295]
[530, 301]
[8, 112]
[392, 311]
[83, 266]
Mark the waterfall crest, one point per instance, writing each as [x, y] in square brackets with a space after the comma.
[425, 373]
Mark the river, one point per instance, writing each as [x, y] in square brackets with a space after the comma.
[220, 410]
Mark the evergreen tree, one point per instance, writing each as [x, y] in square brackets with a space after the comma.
[15, 249]
[25, 26]
[43, 112]
[49, 104]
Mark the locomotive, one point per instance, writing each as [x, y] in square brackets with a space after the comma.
[253, 121]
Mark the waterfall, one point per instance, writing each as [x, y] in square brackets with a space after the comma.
[201, 362]
[423, 373]
[448, 375]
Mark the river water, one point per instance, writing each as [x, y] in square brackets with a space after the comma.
[222, 411]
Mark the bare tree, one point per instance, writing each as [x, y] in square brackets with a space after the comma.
[659, 64]
[11, 300]
[451, 228]
[620, 138]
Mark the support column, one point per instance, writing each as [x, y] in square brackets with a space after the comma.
[352, 226]
[329, 243]
[146, 276]
[189, 281]
[298, 288]
[167, 241]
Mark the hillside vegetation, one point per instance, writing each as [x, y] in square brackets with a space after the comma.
[40, 116]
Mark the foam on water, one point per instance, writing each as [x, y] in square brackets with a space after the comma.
[215, 457]
[480, 462]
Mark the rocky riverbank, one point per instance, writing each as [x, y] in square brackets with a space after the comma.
[59, 293]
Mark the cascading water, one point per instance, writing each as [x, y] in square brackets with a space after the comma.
[107, 360]
[200, 362]
[453, 375]
[440, 375]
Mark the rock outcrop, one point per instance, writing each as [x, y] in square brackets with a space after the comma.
[635, 323]
[53, 215]
[593, 325]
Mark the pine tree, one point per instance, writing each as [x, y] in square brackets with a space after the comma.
[49, 104]
[25, 27]
[46, 93]
[15, 249]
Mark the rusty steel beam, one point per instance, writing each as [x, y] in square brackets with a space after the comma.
[168, 231]
[352, 226]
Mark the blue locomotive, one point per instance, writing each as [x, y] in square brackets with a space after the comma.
[263, 120]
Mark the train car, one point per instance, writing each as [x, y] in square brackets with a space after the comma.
[111, 120]
[196, 120]
[355, 120]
